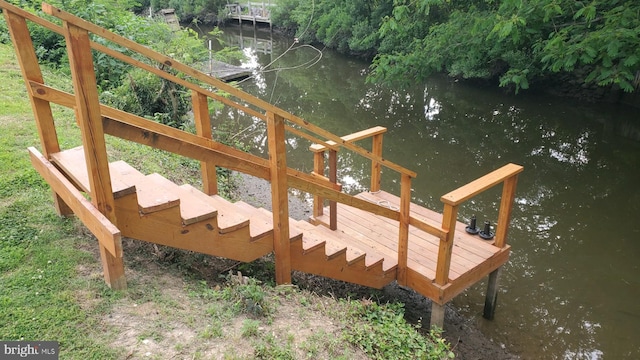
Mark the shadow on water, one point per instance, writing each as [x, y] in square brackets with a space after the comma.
[571, 287]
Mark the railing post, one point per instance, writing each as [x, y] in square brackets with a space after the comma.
[203, 128]
[506, 206]
[504, 218]
[279, 196]
[449, 218]
[318, 168]
[90, 121]
[403, 231]
[403, 237]
[333, 177]
[376, 168]
[41, 108]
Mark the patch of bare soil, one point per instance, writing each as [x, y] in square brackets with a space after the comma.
[168, 311]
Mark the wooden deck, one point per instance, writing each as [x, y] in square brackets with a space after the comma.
[472, 258]
[256, 12]
[370, 239]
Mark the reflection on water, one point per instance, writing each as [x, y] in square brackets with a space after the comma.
[571, 288]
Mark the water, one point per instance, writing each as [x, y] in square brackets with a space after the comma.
[571, 289]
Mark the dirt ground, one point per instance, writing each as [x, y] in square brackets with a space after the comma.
[467, 342]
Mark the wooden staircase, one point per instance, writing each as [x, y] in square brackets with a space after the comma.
[154, 209]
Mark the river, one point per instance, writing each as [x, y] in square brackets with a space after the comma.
[571, 289]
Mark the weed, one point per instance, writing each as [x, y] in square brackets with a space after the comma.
[385, 334]
[270, 348]
[250, 328]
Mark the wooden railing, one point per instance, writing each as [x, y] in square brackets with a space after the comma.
[95, 120]
[319, 151]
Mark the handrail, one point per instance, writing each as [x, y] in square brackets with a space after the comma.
[319, 149]
[200, 76]
[508, 175]
[463, 193]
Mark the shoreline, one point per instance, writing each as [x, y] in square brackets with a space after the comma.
[466, 340]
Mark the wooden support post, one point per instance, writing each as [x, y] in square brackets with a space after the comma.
[333, 177]
[506, 206]
[41, 108]
[449, 218]
[318, 168]
[504, 218]
[203, 128]
[90, 121]
[376, 168]
[437, 315]
[403, 231]
[279, 194]
[492, 294]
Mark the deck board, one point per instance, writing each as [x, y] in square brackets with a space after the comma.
[381, 234]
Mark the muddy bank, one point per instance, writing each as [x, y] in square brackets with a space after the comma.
[467, 342]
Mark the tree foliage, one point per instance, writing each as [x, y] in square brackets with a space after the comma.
[514, 42]
[120, 84]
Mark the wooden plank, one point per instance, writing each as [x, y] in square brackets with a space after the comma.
[89, 118]
[30, 68]
[333, 177]
[279, 197]
[476, 274]
[99, 225]
[312, 138]
[203, 128]
[309, 243]
[469, 242]
[72, 163]
[360, 135]
[260, 224]
[403, 228]
[318, 169]
[446, 245]
[422, 247]
[506, 206]
[229, 219]
[31, 72]
[193, 208]
[152, 196]
[376, 169]
[481, 184]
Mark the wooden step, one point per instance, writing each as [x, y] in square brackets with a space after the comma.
[294, 232]
[72, 163]
[334, 246]
[229, 218]
[193, 208]
[152, 195]
[260, 224]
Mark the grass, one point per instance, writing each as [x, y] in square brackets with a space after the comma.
[178, 304]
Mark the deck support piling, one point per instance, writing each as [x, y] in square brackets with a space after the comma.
[492, 295]
[437, 315]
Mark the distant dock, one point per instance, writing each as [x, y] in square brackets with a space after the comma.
[251, 11]
[225, 72]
